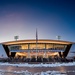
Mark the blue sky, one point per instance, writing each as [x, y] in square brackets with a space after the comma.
[50, 17]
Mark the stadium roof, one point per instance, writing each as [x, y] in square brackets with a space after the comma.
[39, 41]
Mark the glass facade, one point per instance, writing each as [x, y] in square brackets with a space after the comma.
[38, 46]
[43, 49]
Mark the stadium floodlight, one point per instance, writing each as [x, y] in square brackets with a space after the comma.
[58, 37]
[16, 37]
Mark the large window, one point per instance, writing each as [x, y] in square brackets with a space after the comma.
[24, 46]
[56, 46]
[14, 47]
[49, 46]
[32, 46]
[38, 46]
[59, 46]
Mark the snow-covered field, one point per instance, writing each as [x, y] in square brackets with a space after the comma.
[26, 72]
[29, 73]
[39, 65]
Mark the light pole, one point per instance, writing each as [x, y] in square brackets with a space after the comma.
[16, 37]
[58, 37]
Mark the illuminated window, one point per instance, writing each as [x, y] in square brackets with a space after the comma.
[24, 46]
[49, 46]
[38, 46]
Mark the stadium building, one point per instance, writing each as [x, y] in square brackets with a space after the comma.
[38, 48]
[41, 48]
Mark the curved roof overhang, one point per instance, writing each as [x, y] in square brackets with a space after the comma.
[34, 41]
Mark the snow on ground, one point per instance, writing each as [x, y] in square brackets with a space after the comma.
[38, 65]
[6, 72]
[29, 73]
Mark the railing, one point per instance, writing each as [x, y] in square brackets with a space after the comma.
[39, 50]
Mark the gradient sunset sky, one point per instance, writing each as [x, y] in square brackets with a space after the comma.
[50, 17]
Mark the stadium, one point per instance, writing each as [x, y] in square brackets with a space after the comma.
[38, 50]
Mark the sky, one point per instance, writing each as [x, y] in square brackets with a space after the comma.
[51, 18]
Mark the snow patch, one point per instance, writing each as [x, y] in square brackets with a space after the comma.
[39, 65]
[29, 73]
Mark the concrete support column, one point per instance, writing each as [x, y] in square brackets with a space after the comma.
[9, 53]
[45, 54]
[36, 55]
[45, 45]
[28, 54]
[28, 46]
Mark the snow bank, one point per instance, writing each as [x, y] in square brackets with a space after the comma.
[39, 65]
[29, 73]
[51, 73]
